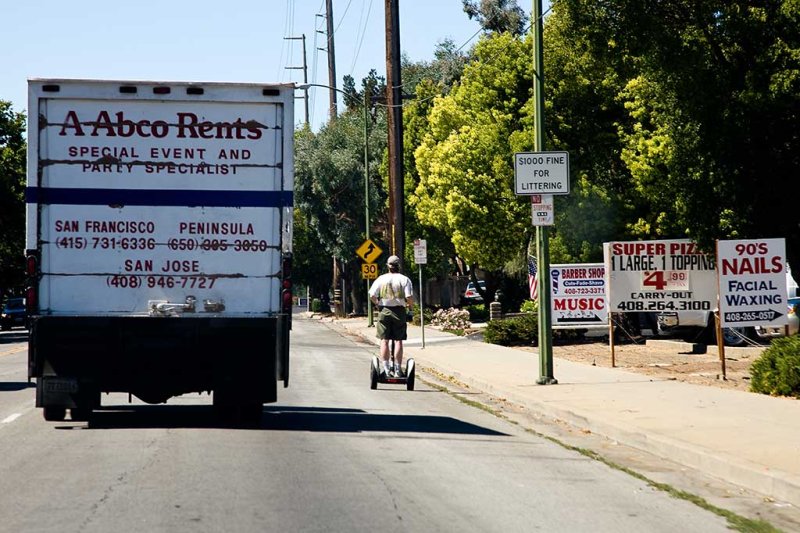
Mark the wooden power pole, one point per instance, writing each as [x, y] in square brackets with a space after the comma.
[395, 120]
[331, 58]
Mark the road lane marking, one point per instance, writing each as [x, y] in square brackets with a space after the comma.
[11, 418]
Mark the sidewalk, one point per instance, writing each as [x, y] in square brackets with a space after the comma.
[747, 439]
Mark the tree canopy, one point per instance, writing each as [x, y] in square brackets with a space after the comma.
[711, 93]
[12, 198]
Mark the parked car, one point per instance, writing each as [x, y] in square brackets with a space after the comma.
[792, 327]
[471, 295]
[13, 314]
[699, 326]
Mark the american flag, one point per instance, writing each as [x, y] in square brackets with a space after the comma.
[533, 278]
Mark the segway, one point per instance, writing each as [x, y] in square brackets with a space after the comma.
[377, 375]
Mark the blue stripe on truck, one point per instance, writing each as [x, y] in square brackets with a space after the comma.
[158, 197]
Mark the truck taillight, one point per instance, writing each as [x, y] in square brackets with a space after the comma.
[32, 292]
[286, 283]
[31, 302]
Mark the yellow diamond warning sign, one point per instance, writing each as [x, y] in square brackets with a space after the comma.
[369, 251]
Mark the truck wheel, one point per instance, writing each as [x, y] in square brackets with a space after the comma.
[86, 402]
[54, 414]
[249, 414]
[80, 414]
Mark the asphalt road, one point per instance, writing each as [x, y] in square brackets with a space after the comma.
[331, 455]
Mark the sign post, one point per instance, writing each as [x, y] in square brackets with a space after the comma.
[421, 258]
[541, 173]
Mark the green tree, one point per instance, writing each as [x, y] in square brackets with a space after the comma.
[443, 72]
[497, 15]
[329, 188]
[12, 198]
[311, 268]
[465, 159]
[442, 258]
[583, 113]
[712, 95]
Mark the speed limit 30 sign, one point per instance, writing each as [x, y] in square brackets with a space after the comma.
[369, 271]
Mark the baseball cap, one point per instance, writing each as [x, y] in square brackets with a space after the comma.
[393, 260]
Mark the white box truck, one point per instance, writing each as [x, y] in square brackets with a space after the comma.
[159, 242]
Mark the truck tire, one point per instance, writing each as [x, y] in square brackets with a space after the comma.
[249, 414]
[236, 409]
[87, 401]
[80, 414]
[54, 414]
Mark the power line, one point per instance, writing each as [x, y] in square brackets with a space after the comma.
[343, 16]
[363, 33]
[279, 74]
[488, 61]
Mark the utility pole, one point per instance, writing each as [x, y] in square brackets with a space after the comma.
[304, 68]
[332, 112]
[395, 122]
[331, 58]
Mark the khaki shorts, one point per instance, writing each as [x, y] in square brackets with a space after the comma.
[392, 324]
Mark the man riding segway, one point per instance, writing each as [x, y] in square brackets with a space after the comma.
[392, 292]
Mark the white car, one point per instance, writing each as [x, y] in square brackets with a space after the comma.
[699, 326]
[793, 322]
[471, 295]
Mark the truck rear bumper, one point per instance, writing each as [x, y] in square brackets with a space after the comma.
[153, 358]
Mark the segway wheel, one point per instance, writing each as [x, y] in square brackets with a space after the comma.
[410, 374]
[373, 374]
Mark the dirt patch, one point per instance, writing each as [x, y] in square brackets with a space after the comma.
[666, 360]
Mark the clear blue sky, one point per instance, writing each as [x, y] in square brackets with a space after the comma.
[220, 40]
